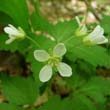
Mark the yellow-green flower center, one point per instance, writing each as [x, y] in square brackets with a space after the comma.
[53, 61]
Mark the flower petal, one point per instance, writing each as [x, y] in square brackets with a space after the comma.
[11, 30]
[100, 40]
[41, 55]
[64, 69]
[98, 31]
[45, 73]
[59, 50]
[9, 41]
[96, 37]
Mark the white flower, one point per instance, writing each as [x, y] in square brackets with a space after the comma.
[14, 33]
[54, 60]
[96, 36]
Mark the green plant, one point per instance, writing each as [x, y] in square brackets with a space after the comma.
[72, 50]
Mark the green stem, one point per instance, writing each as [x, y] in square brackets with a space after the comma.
[78, 20]
[33, 41]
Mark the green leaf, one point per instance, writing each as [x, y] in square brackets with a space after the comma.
[86, 68]
[78, 102]
[64, 31]
[75, 81]
[89, 94]
[81, 102]
[96, 88]
[107, 87]
[17, 45]
[42, 42]
[40, 23]
[5, 106]
[17, 10]
[19, 90]
[36, 67]
[5, 19]
[52, 104]
[94, 55]
[105, 22]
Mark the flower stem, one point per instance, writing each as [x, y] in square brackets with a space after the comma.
[78, 21]
[33, 41]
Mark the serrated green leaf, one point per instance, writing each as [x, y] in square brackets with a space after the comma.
[19, 90]
[81, 102]
[95, 88]
[94, 55]
[89, 93]
[78, 102]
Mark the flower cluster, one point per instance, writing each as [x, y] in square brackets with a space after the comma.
[54, 59]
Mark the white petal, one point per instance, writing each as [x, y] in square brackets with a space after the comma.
[100, 40]
[11, 31]
[96, 37]
[9, 41]
[64, 69]
[41, 55]
[45, 73]
[96, 40]
[59, 50]
[98, 31]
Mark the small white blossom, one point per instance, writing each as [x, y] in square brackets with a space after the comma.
[54, 60]
[14, 33]
[96, 36]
